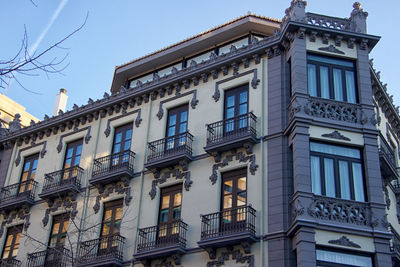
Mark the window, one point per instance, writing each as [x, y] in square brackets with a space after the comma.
[72, 159]
[236, 107]
[111, 225]
[28, 173]
[177, 127]
[59, 230]
[337, 171]
[331, 78]
[11, 246]
[170, 210]
[330, 258]
[121, 144]
[234, 196]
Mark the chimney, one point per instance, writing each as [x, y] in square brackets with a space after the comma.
[61, 101]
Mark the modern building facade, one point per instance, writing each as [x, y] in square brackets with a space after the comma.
[257, 143]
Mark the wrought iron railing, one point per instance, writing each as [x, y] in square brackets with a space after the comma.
[160, 236]
[386, 151]
[227, 222]
[334, 110]
[68, 176]
[23, 189]
[113, 162]
[59, 256]
[328, 22]
[10, 263]
[395, 241]
[169, 146]
[106, 247]
[230, 129]
[340, 210]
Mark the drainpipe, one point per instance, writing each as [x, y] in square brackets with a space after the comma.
[262, 169]
[142, 177]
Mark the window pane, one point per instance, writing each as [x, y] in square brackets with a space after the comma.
[330, 60]
[351, 87]
[243, 97]
[183, 127]
[242, 183]
[171, 131]
[172, 120]
[242, 109]
[165, 202]
[344, 179]
[343, 258]
[316, 175]
[227, 201]
[176, 213]
[358, 182]
[117, 148]
[312, 80]
[329, 178]
[241, 199]
[337, 84]
[335, 150]
[177, 199]
[230, 102]
[230, 113]
[184, 116]
[324, 77]
[164, 216]
[228, 187]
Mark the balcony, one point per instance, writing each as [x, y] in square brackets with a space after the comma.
[161, 241]
[231, 133]
[60, 257]
[62, 182]
[169, 151]
[10, 263]
[388, 160]
[103, 251]
[17, 195]
[228, 227]
[112, 168]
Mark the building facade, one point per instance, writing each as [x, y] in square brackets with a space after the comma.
[257, 143]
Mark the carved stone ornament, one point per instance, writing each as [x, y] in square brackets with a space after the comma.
[22, 214]
[87, 137]
[42, 152]
[122, 187]
[331, 49]
[336, 135]
[68, 203]
[238, 155]
[177, 173]
[297, 209]
[235, 255]
[15, 124]
[344, 241]
[193, 102]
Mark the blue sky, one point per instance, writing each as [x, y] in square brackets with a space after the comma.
[120, 30]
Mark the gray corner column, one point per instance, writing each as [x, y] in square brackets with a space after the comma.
[304, 241]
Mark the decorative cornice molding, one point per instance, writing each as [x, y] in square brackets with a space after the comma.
[69, 203]
[344, 241]
[193, 102]
[120, 187]
[86, 138]
[42, 152]
[177, 173]
[138, 120]
[336, 135]
[331, 49]
[22, 214]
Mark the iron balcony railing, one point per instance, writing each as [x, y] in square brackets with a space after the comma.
[170, 146]
[386, 151]
[159, 236]
[107, 247]
[227, 222]
[57, 179]
[113, 162]
[231, 129]
[10, 263]
[51, 257]
[24, 189]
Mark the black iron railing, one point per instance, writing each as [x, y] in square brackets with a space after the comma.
[23, 189]
[10, 263]
[57, 179]
[51, 257]
[169, 146]
[230, 129]
[386, 151]
[107, 247]
[227, 222]
[113, 162]
[159, 236]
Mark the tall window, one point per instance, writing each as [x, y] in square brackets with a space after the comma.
[28, 173]
[337, 171]
[330, 258]
[11, 246]
[59, 230]
[177, 127]
[72, 158]
[234, 196]
[236, 105]
[331, 78]
[121, 144]
[111, 225]
[170, 210]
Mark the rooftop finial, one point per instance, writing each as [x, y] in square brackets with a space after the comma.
[358, 19]
[357, 5]
[296, 11]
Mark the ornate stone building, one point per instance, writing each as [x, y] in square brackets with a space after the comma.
[257, 143]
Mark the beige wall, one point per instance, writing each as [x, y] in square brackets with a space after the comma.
[8, 108]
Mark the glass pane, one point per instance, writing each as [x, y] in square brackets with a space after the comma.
[324, 78]
[56, 227]
[242, 109]
[184, 116]
[6, 252]
[312, 79]
[165, 202]
[128, 134]
[177, 199]
[164, 216]
[107, 215]
[344, 179]
[67, 163]
[316, 175]
[118, 137]
[230, 113]
[118, 214]
[241, 199]
[9, 240]
[228, 187]
[329, 178]
[27, 165]
[171, 131]
[183, 127]
[358, 182]
[69, 153]
[230, 101]
[77, 159]
[330, 60]
[242, 183]
[227, 202]
[117, 148]
[243, 97]
[351, 87]
[106, 229]
[335, 150]
[172, 120]
[78, 150]
[343, 258]
[127, 145]
[34, 166]
[176, 213]
[337, 84]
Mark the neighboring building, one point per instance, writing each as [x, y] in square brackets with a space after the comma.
[257, 143]
[8, 109]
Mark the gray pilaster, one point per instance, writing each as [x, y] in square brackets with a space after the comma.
[304, 241]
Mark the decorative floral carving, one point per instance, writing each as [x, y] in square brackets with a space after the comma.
[121, 187]
[107, 131]
[15, 124]
[332, 110]
[328, 22]
[336, 135]
[344, 241]
[297, 209]
[22, 214]
[236, 255]
[88, 136]
[331, 49]
[193, 102]
[177, 173]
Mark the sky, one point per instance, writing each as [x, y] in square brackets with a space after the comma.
[119, 31]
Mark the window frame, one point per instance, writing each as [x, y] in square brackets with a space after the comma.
[62, 219]
[171, 191]
[14, 231]
[24, 185]
[233, 175]
[113, 206]
[340, 251]
[74, 144]
[330, 67]
[122, 129]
